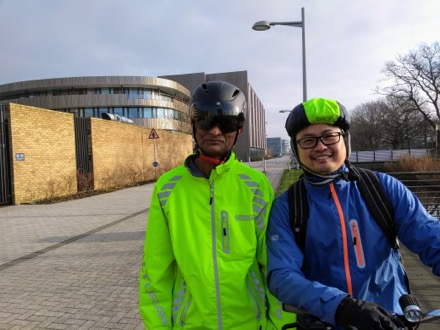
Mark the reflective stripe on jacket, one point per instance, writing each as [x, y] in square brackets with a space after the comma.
[345, 250]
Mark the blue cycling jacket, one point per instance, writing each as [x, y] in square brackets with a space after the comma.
[345, 250]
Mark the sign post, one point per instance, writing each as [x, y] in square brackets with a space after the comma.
[153, 135]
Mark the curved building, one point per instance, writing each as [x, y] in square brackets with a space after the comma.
[154, 102]
[147, 101]
[81, 152]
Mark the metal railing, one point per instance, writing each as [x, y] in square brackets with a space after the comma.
[5, 161]
[388, 155]
[425, 185]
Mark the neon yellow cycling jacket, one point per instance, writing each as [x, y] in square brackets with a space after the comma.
[204, 261]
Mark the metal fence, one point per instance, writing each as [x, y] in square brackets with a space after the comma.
[389, 155]
[84, 162]
[5, 161]
[426, 186]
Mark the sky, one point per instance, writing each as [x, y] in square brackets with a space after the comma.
[347, 43]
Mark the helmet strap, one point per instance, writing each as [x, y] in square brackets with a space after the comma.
[351, 174]
[235, 140]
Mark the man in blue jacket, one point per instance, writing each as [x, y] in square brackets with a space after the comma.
[347, 274]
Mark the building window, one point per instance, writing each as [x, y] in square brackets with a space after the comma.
[146, 94]
[88, 112]
[133, 113]
[147, 113]
[118, 111]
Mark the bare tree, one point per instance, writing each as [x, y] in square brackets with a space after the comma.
[366, 122]
[387, 123]
[414, 79]
[404, 127]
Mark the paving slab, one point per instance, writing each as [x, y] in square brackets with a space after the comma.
[75, 264]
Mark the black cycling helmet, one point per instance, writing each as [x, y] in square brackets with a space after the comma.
[218, 102]
[318, 111]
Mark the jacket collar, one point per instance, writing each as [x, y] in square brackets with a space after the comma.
[219, 169]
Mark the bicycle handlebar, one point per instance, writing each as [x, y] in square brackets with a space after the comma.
[412, 316]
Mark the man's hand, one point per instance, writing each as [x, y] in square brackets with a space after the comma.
[363, 315]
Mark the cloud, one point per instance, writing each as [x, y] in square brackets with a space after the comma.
[347, 43]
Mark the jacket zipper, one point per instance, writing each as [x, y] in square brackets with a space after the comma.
[214, 258]
[344, 238]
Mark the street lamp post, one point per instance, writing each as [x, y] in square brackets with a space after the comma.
[265, 25]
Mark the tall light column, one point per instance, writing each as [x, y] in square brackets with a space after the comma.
[265, 25]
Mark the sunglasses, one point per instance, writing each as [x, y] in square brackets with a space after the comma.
[226, 124]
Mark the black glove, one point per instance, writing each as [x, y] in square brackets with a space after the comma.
[363, 315]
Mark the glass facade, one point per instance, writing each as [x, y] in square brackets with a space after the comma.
[160, 101]
[131, 93]
[128, 112]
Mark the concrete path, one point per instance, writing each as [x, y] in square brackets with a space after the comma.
[75, 264]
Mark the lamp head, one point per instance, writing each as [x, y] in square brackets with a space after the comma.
[261, 26]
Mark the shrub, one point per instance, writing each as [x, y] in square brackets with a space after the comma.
[413, 164]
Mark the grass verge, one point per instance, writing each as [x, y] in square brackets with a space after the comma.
[289, 177]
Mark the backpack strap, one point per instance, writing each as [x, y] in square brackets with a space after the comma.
[381, 209]
[298, 211]
[378, 203]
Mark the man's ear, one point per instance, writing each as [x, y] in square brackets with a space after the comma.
[240, 131]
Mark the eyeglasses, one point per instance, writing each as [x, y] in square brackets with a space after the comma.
[327, 139]
[226, 124]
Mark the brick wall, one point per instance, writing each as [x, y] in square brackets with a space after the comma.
[46, 139]
[123, 153]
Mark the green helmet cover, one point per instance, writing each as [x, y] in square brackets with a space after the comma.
[317, 111]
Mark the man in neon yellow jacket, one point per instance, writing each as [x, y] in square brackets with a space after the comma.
[204, 263]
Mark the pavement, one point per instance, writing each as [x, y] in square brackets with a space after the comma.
[75, 264]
